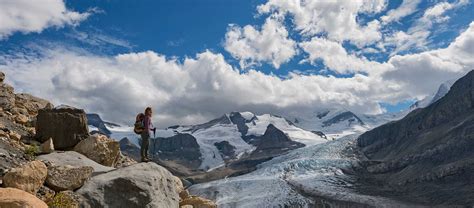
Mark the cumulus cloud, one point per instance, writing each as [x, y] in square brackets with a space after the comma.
[423, 71]
[193, 91]
[203, 87]
[337, 19]
[336, 58]
[251, 46]
[27, 16]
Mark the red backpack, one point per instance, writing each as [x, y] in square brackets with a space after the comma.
[139, 124]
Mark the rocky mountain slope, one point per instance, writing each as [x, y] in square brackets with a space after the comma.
[49, 159]
[427, 155]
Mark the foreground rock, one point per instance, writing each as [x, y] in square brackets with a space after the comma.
[29, 177]
[74, 159]
[139, 185]
[67, 126]
[62, 178]
[428, 155]
[15, 198]
[101, 149]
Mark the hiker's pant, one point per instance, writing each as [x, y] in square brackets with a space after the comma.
[145, 144]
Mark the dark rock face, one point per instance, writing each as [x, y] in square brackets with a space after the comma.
[320, 133]
[351, 117]
[273, 142]
[227, 150]
[95, 120]
[237, 119]
[67, 126]
[429, 153]
[182, 148]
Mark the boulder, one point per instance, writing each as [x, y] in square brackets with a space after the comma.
[62, 178]
[2, 77]
[21, 119]
[7, 97]
[47, 146]
[15, 198]
[4, 134]
[198, 202]
[15, 136]
[139, 185]
[100, 148]
[45, 194]
[31, 103]
[74, 159]
[29, 177]
[66, 126]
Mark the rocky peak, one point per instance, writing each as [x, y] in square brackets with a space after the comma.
[95, 120]
[348, 116]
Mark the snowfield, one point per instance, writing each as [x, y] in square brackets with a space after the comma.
[218, 133]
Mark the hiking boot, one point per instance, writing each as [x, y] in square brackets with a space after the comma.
[145, 160]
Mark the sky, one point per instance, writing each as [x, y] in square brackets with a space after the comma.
[195, 60]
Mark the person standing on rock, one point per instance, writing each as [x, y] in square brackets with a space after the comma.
[146, 134]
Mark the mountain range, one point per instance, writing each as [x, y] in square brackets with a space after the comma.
[330, 157]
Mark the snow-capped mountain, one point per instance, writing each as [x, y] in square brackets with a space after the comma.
[443, 89]
[240, 139]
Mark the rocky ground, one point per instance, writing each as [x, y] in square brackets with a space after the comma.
[49, 159]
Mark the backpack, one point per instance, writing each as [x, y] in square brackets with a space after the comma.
[139, 127]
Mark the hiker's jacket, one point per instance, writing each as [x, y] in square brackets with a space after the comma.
[148, 125]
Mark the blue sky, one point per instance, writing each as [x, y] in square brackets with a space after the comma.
[180, 30]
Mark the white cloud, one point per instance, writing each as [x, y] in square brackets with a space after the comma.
[336, 58]
[336, 19]
[407, 7]
[34, 16]
[422, 72]
[251, 46]
[416, 37]
[206, 86]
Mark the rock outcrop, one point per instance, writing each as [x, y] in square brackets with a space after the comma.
[428, 154]
[16, 198]
[75, 159]
[47, 146]
[62, 178]
[29, 177]
[100, 148]
[67, 126]
[139, 185]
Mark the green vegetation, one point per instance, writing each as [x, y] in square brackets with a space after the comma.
[31, 151]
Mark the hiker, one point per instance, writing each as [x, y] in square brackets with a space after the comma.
[144, 127]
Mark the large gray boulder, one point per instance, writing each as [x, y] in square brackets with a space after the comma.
[67, 126]
[139, 185]
[63, 178]
[74, 159]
